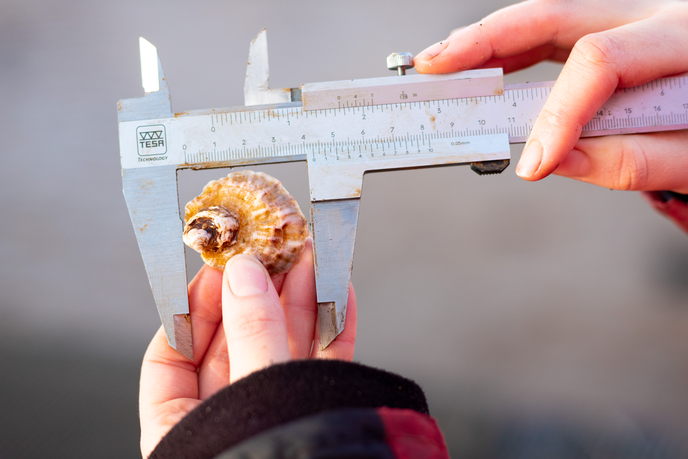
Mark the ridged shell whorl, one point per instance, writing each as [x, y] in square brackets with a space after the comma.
[246, 212]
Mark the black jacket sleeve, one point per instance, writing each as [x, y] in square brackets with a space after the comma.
[311, 406]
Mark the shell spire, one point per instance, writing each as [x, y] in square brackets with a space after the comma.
[246, 213]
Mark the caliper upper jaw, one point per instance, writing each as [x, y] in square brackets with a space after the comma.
[256, 86]
[153, 203]
[156, 103]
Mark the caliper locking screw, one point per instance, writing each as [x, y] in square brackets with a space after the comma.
[400, 62]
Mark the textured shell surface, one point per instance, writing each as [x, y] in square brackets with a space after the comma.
[246, 213]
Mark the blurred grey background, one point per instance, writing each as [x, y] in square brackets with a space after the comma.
[504, 299]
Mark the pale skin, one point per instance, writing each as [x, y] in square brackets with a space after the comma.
[605, 45]
[242, 321]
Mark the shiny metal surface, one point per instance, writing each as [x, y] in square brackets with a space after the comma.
[154, 104]
[151, 195]
[368, 92]
[257, 87]
[334, 237]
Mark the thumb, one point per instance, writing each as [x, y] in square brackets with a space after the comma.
[646, 162]
[253, 318]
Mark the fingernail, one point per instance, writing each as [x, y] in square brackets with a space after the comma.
[432, 51]
[246, 276]
[530, 159]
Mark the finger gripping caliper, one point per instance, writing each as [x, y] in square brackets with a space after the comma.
[342, 129]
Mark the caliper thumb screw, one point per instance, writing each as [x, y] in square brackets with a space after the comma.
[400, 62]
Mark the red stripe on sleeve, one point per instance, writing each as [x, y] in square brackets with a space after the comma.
[411, 435]
[673, 208]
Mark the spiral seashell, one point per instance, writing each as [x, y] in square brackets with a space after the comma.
[246, 212]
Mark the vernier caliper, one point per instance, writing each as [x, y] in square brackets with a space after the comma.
[342, 129]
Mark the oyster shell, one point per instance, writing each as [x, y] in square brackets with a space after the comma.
[246, 212]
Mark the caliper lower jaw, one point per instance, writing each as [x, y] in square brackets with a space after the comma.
[335, 200]
[151, 196]
[334, 234]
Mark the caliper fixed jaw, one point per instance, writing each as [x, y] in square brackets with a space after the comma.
[156, 103]
[151, 191]
[152, 199]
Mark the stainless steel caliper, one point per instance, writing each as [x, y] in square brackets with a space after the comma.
[343, 129]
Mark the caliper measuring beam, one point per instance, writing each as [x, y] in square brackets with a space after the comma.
[342, 129]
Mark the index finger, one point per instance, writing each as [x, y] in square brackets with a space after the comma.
[522, 34]
[165, 373]
[169, 382]
[599, 63]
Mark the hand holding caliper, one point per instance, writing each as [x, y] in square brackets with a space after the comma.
[605, 44]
